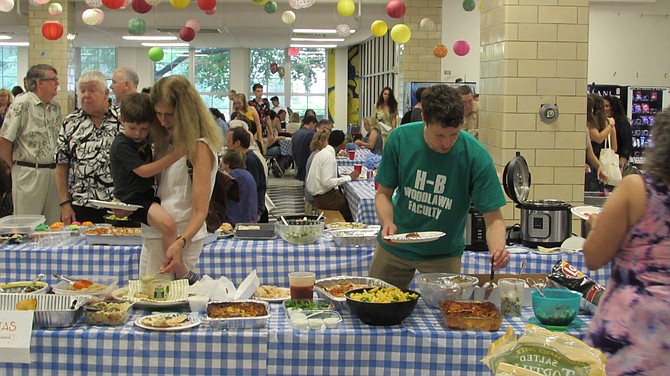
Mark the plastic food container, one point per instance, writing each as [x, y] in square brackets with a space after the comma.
[299, 231]
[260, 314]
[53, 311]
[61, 288]
[110, 314]
[20, 224]
[17, 287]
[437, 290]
[470, 315]
[352, 238]
[299, 309]
[467, 283]
[257, 231]
[558, 307]
[340, 302]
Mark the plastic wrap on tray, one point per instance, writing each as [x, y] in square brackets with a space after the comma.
[355, 237]
[233, 321]
[471, 315]
[340, 303]
[53, 311]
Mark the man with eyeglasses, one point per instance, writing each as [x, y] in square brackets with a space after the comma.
[28, 143]
[124, 82]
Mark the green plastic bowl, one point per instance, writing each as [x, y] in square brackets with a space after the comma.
[558, 307]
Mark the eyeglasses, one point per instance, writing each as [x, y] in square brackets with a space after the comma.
[49, 79]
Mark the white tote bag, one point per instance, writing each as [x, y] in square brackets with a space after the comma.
[609, 163]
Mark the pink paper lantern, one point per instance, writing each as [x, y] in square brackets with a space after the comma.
[186, 34]
[206, 4]
[396, 8]
[193, 24]
[461, 48]
[293, 51]
[141, 6]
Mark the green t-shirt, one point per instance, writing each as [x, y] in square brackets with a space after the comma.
[434, 190]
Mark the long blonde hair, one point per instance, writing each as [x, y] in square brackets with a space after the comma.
[374, 124]
[191, 118]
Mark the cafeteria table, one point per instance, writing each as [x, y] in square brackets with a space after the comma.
[360, 195]
[359, 158]
[420, 345]
[285, 146]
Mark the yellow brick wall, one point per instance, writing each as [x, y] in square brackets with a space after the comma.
[535, 52]
[417, 62]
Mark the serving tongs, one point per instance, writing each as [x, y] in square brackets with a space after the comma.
[34, 281]
[80, 284]
[489, 288]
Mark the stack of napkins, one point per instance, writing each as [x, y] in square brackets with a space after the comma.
[223, 289]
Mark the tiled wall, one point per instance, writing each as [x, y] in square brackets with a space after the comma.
[534, 52]
[54, 52]
[418, 62]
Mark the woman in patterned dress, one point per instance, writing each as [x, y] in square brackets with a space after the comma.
[632, 323]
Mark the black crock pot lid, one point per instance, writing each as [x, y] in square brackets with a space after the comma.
[516, 179]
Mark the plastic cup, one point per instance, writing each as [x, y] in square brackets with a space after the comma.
[358, 168]
[198, 303]
[376, 185]
[352, 154]
[301, 285]
[511, 296]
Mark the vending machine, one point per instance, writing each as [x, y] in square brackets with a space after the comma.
[643, 104]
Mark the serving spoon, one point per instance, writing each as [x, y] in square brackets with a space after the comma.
[34, 281]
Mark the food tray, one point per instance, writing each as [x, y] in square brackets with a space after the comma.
[357, 237]
[459, 315]
[130, 237]
[258, 231]
[290, 311]
[53, 311]
[341, 303]
[110, 281]
[239, 322]
[20, 224]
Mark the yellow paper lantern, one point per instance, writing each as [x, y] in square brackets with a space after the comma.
[346, 8]
[379, 28]
[179, 4]
[260, 2]
[400, 33]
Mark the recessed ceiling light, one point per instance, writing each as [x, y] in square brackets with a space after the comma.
[17, 44]
[149, 37]
[318, 31]
[313, 45]
[149, 44]
[317, 39]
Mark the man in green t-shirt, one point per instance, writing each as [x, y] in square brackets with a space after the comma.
[436, 170]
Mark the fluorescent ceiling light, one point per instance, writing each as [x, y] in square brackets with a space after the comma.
[5, 37]
[317, 39]
[165, 44]
[318, 31]
[186, 55]
[147, 37]
[313, 45]
[17, 44]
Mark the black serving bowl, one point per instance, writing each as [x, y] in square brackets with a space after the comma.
[381, 314]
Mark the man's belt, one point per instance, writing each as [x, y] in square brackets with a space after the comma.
[35, 165]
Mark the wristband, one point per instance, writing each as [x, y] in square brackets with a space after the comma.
[65, 202]
[181, 238]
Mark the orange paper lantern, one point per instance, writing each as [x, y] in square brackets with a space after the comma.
[440, 51]
[52, 30]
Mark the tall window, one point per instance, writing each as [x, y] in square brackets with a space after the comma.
[9, 68]
[102, 59]
[212, 77]
[175, 61]
[298, 81]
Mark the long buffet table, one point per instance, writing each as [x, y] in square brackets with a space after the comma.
[420, 345]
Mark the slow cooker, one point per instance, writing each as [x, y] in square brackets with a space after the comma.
[545, 223]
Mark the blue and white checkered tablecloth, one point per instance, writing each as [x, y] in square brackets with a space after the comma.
[420, 345]
[361, 154]
[130, 350]
[361, 198]
[285, 146]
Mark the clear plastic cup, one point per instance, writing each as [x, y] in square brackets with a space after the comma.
[511, 296]
[302, 285]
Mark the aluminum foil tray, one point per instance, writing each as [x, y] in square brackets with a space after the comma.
[239, 322]
[355, 237]
[53, 311]
[341, 303]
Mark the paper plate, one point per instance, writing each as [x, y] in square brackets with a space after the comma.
[424, 236]
[115, 205]
[190, 322]
[275, 300]
[584, 212]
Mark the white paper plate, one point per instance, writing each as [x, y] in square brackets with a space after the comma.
[122, 293]
[114, 205]
[190, 322]
[584, 212]
[424, 236]
[275, 300]
[513, 250]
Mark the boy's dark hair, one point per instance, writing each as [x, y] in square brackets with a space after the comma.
[242, 135]
[309, 119]
[336, 138]
[137, 108]
[442, 105]
[256, 86]
[419, 93]
[235, 159]
[465, 90]
[274, 98]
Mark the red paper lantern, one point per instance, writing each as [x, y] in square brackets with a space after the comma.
[206, 4]
[186, 34]
[293, 51]
[141, 6]
[52, 30]
[396, 8]
[114, 4]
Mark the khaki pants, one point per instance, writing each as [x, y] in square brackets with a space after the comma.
[34, 192]
[399, 272]
[152, 256]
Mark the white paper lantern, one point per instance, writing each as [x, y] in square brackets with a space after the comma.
[193, 24]
[295, 4]
[305, 3]
[93, 3]
[153, 3]
[93, 16]
[126, 4]
[55, 9]
[426, 24]
[288, 17]
[343, 30]
[6, 5]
